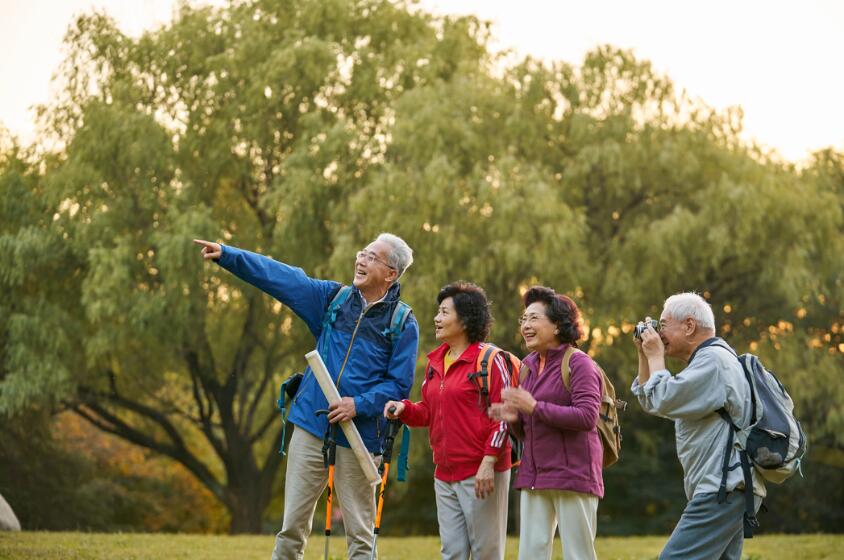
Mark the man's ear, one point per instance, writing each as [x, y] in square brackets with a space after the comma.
[689, 326]
[392, 276]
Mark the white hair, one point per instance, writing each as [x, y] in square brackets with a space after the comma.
[401, 255]
[690, 304]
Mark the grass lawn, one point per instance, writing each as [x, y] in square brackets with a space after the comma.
[135, 546]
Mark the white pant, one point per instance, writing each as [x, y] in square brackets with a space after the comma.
[469, 525]
[305, 482]
[541, 510]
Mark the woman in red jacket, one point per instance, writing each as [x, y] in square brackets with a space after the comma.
[471, 451]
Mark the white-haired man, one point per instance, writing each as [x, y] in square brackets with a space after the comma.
[371, 357]
[712, 383]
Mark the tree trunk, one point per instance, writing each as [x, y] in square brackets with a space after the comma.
[246, 517]
[246, 504]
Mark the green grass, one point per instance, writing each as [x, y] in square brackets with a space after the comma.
[136, 546]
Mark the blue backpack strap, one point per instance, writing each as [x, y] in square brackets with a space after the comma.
[400, 314]
[331, 314]
[405, 450]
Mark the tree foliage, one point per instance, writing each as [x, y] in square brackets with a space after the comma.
[301, 130]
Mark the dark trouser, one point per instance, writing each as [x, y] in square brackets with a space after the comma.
[708, 530]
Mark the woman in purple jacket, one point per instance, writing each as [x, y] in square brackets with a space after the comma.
[560, 473]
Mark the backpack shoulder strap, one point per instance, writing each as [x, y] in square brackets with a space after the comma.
[486, 355]
[400, 314]
[511, 364]
[339, 299]
[481, 375]
[331, 314]
[564, 367]
[714, 341]
[750, 523]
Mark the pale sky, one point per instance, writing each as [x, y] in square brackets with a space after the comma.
[781, 61]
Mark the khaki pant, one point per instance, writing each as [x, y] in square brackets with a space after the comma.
[305, 482]
[469, 525]
[542, 510]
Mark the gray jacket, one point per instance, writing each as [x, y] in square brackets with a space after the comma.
[713, 379]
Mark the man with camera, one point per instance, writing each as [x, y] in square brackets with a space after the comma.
[713, 380]
[371, 357]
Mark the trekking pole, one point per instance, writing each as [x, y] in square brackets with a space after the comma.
[389, 440]
[329, 457]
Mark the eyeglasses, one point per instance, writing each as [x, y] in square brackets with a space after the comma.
[371, 257]
[530, 319]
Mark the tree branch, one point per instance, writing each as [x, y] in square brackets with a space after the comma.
[258, 396]
[210, 387]
[104, 420]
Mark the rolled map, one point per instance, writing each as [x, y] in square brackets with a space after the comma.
[348, 427]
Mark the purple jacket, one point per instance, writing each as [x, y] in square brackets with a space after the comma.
[562, 447]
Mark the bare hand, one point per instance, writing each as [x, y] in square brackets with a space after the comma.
[399, 408]
[210, 250]
[651, 343]
[342, 410]
[638, 343]
[485, 479]
[519, 399]
[501, 411]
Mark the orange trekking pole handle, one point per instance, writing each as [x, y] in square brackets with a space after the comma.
[381, 497]
[328, 500]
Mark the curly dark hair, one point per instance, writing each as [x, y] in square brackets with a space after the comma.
[560, 310]
[472, 307]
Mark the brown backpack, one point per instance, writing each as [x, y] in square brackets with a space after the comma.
[608, 427]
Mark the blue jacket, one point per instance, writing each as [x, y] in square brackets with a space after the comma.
[374, 373]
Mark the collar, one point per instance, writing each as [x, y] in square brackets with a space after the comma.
[437, 356]
[553, 355]
[393, 293]
[366, 303]
[712, 341]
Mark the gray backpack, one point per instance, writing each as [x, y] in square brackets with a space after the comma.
[774, 443]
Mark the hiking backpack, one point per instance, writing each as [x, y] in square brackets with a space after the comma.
[773, 444]
[608, 426]
[486, 355]
[774, 441]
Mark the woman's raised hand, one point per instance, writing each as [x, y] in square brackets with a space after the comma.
[519, 399]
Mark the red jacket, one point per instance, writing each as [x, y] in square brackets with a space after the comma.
[460, 431]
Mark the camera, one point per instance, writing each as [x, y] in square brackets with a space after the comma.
[640, 328]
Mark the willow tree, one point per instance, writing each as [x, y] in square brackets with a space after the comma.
[301, 129]
[604, 182]
[252, 124]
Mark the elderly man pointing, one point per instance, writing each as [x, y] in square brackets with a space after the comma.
[371, 359]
